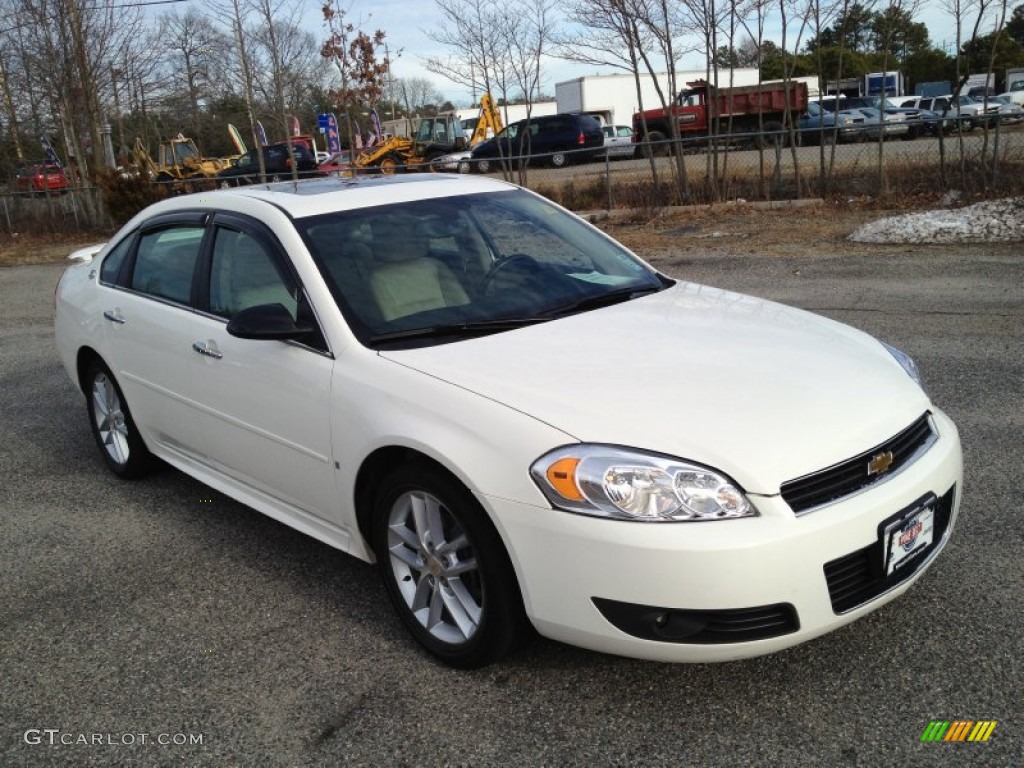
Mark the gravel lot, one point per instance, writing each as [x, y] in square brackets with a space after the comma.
[163, 608]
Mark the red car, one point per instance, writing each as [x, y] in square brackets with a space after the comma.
[40, 179]
[338, 164]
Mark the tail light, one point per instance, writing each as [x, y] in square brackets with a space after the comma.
[581, 139]
[288, 163]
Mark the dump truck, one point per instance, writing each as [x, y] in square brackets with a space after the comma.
[755, 114]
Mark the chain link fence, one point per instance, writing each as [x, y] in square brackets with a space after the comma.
[987, 161]
[76, 209]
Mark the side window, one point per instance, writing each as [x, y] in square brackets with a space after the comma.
[112, 261]
[245, 272]
[165, 261]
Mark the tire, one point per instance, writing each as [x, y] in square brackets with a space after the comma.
[445, 569]
[465, 166]
[559, 159]
[656, 146]
[113, 428]
[773, 135]
[391, 164]
[483, 166]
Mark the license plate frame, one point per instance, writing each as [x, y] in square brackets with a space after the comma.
[907, 535]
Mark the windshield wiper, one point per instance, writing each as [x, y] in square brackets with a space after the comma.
[470, 328]
[601, 300]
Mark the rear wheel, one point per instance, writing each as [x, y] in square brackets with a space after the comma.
[560, 159]
[484, 166]
[445, 568]
[773, 135]
[115, 432]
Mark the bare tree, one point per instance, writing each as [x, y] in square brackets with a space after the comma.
[414, 93]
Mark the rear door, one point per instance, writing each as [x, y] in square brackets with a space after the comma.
[151, 276]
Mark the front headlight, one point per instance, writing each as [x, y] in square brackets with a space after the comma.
[906, 362]
[607, 481]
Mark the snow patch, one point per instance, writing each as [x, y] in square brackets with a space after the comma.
[991, 221]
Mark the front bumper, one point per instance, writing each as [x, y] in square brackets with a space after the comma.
[686, 571]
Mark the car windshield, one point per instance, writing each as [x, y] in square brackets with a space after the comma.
[441, 269]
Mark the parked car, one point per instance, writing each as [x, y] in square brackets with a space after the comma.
[278, 164]
[981, 112]
[920, 122]
[515, 417]
[1009, 111]
[459, 162]
[338, 164]
[1017, 97]
[891, 125]
[821, 125]
[554, 139]
[40, 179]
[945, 108]
[618, 141]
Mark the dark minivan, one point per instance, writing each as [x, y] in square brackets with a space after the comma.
[556, 139]
[246, 169]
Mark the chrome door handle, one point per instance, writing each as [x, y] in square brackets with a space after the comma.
[114, 316]
[202, 349]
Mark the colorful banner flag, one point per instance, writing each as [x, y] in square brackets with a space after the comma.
[357, 136]
[261, 135]
[236, 139]
[375, 119]
[333, 138]
[296, 129]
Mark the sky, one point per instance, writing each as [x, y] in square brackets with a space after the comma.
[408, 25]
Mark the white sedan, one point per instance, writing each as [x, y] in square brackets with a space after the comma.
[520, 421]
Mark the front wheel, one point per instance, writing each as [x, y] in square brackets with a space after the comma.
[656, 145]
[445, 568]
[391, 164]
[114, 430]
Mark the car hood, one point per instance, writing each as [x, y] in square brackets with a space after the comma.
[761, 391]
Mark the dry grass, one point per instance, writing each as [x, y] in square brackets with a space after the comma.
[18, 250]
[806, 230]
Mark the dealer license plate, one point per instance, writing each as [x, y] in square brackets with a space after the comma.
[907, 536]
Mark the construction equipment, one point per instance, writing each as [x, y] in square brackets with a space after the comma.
[178, 163]
[433, 137]
[488, 123]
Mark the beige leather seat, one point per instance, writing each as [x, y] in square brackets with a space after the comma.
[405, 280]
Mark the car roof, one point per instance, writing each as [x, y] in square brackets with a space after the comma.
[312, 197]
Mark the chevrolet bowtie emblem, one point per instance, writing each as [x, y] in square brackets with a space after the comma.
[880, 463]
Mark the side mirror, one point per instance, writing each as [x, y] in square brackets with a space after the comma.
[267, 322]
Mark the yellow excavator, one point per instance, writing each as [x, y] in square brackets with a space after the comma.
[178, 163]
[432, 138]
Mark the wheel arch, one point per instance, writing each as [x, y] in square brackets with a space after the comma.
[83, 360]
[375, 468]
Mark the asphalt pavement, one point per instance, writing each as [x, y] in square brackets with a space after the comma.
[158, 622]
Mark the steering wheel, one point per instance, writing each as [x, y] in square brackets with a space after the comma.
[521, 261]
